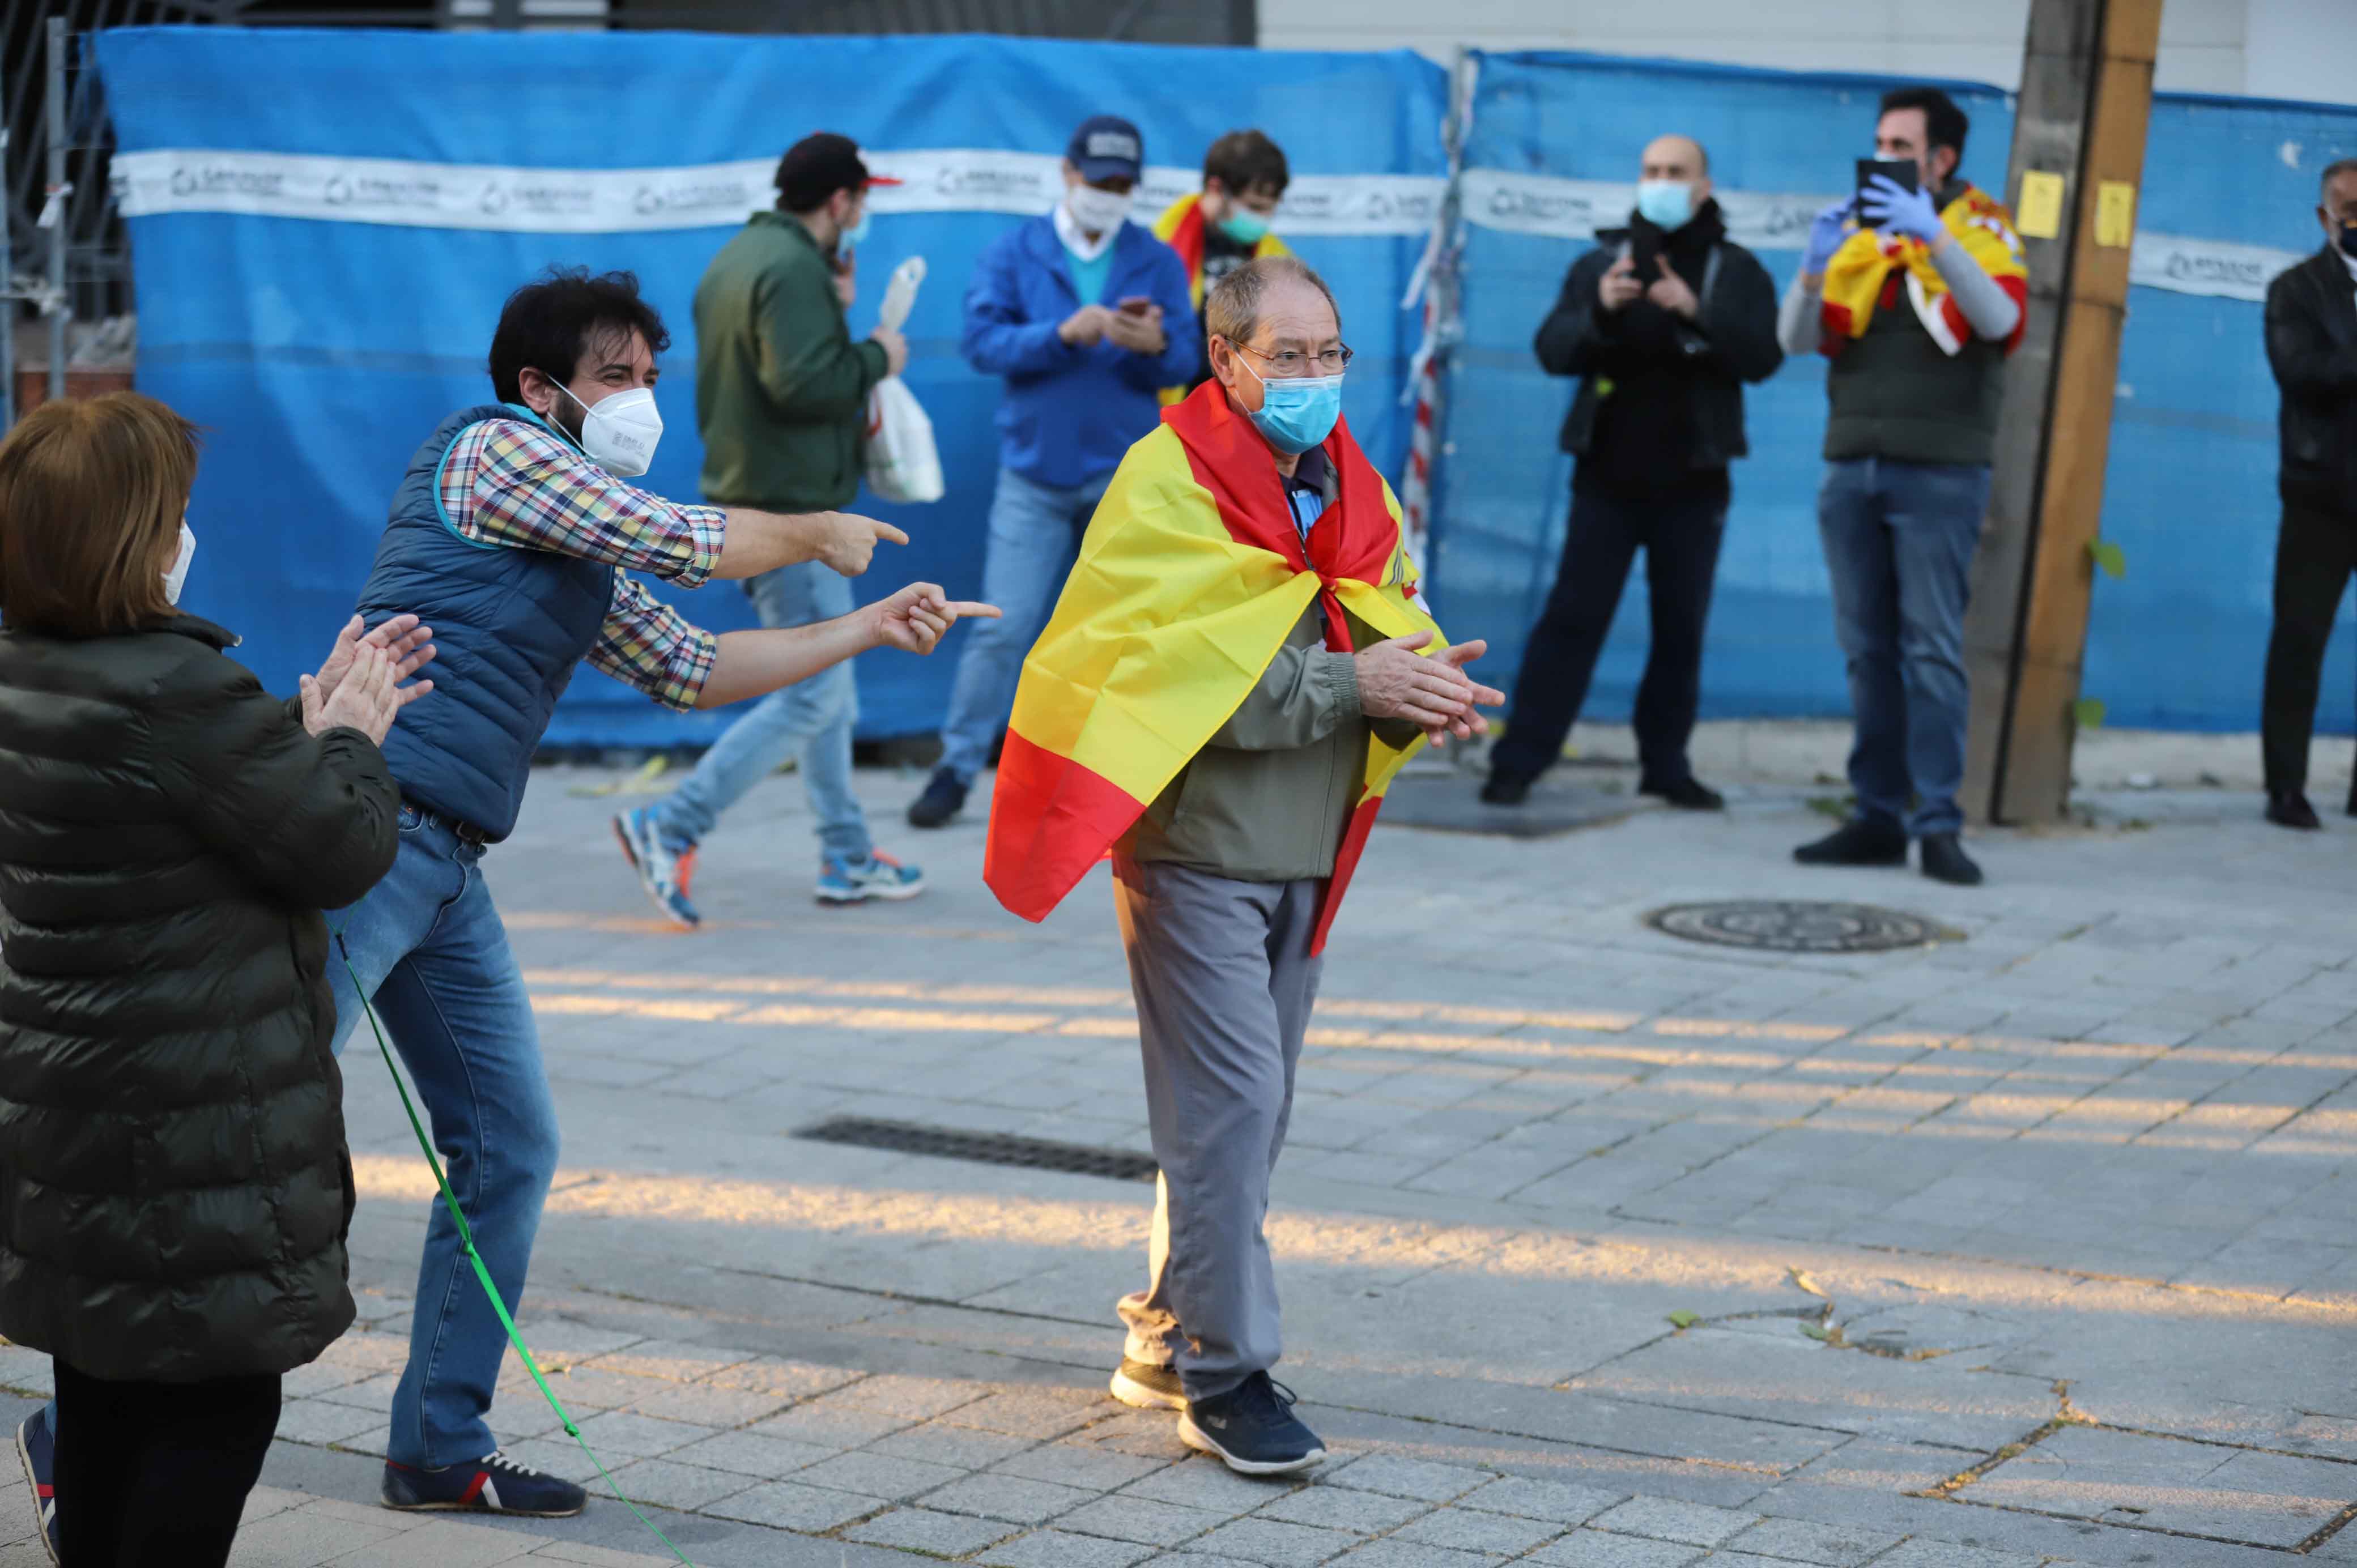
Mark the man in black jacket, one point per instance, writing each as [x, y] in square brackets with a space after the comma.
[2312, 346]
[1664, 322]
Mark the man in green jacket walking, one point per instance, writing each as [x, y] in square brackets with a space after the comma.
[782, 399]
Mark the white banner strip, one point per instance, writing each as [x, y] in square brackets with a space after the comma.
[1575, 209]
[609, 201]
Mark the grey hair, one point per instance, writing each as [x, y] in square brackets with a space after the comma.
[1232, 311]
[2334, 170]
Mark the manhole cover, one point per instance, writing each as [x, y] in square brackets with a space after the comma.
[1783, 925]
[982, 1148]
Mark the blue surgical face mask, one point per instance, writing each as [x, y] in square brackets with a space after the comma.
[1665, 203]
[1243, 225]
[1297, 413]
[2349, 239]
[851, 239]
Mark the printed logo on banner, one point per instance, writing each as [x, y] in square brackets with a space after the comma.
[200, 179]
[2217, 268]
[696, 199]
[1541, 204]
[1575, 209]
[1360, 204]
[412, 194]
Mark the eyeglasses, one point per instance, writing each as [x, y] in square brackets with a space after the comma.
[1293, 363]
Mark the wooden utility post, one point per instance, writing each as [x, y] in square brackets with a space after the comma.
[2078, 159]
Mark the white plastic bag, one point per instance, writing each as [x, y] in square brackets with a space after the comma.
[903, 464]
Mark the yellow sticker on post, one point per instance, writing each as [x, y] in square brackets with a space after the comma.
[2114, 213]
[2039, 213]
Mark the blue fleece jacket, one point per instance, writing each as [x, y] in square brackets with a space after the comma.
[1071, 414]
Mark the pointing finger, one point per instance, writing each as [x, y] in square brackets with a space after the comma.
[886, 531]
[966, 609]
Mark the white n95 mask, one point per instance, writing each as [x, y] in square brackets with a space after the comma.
[620, 432]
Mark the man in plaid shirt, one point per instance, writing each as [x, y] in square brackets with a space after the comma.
[513, 535]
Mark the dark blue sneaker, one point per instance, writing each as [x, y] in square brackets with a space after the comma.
[943, 797]
[37, 1445]
[492, 1484]
[1252, 1429]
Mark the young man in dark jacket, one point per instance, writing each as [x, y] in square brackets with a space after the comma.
[782, 399]
[1664, 322]
[2311, 322]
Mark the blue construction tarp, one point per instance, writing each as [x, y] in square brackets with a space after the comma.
[319, 349]
[324, 225]
[2180, 642]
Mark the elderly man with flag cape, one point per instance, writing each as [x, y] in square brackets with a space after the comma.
[1235, 670]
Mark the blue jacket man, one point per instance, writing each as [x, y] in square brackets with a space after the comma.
[1087, 315]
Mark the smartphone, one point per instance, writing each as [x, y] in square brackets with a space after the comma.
[1901, 171]
[1136, 304]
[1642, 257]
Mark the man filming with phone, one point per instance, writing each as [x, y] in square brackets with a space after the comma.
[1914, 288]
[1664, 322]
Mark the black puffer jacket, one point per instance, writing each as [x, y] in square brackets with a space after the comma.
[174, 1185]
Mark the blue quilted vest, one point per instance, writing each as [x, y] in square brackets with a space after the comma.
[508, 625]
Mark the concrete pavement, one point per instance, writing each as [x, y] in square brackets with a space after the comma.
[1598, 1247]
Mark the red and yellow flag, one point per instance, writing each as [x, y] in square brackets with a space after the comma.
[1857, 276]
[1190, 578]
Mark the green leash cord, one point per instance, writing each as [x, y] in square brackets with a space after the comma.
[467, 1239]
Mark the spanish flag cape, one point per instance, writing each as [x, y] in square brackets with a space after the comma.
[1190, 578]
[1857, 275]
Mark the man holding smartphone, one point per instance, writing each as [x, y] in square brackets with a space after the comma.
[1087, 317]
[1915, 292]
[781, 402]
[1664, 322]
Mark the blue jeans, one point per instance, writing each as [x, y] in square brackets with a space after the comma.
[431, 948]
[811, 720]
[1034, 531]
[1898, 540]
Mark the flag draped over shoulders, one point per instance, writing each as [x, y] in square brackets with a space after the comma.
[1190, 578]
[1855, 276]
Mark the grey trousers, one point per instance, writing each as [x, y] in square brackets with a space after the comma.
[1224, 985]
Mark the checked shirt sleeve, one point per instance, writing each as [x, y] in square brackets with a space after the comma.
[647, 645]
[509, 483]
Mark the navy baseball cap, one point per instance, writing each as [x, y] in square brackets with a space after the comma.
[1107, 146]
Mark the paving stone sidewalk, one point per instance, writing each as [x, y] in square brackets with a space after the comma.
[1598, 1247]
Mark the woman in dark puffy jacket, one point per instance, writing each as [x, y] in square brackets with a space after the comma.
[175, 1189]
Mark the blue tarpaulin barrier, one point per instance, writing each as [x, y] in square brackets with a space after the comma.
[2229, 190]
[324, 224]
